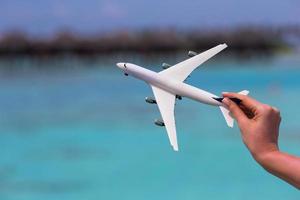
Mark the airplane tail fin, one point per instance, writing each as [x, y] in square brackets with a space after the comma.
[229, 120]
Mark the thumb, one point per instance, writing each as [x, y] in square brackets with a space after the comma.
[235, 110]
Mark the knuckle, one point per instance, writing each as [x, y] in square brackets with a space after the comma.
[271, 111]
[260, 108]
[267, 108]
[231, 106]
[241, 122]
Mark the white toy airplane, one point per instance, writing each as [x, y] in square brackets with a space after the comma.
[168, 85]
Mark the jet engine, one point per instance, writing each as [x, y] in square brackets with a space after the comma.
[150, 100]
[178, 97]
[165, 65]
[192, 53]
[159, 122]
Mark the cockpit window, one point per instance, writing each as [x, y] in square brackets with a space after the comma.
[125, 65]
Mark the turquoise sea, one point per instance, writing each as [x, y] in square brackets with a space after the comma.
[75, 128]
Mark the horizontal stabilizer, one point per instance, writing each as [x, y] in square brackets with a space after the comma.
[244, 92]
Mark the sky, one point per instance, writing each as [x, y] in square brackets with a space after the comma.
[87, 16]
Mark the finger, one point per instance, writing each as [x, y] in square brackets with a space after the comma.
[247, 101]
[247, 112]
[235, 110]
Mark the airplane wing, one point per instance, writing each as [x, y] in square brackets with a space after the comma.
[166, 104]
[182, 70]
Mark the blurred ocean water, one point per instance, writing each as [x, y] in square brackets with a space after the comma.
[85, 132]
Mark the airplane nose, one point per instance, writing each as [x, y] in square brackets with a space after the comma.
[120, 65]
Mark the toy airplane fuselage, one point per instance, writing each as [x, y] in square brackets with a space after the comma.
[168, 85]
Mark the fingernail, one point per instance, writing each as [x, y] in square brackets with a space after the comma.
[225, 101]
[224, 93]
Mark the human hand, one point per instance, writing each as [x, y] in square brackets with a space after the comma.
[258, 122]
